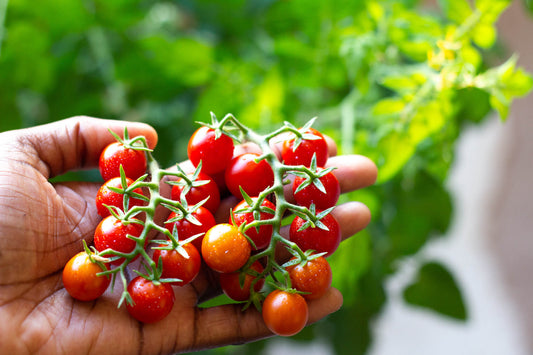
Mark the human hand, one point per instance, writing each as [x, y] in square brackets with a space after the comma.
[42, 225]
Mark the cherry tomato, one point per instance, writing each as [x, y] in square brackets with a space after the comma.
[285, 313]
[262, 237]
[244, 172]
[151, 301]
[115, 154]
[311, 194]
[200, 193]
[314, 277]
[303, 154]
[187, 229]
[232, 287]
[176, 266]
[111, 233]
[105, 196]
[317, 239]
[225, 249]
[81, 280]
[214, 153]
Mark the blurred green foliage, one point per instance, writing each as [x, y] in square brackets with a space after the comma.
[393, 80]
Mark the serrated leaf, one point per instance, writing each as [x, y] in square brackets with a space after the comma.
[435, 288]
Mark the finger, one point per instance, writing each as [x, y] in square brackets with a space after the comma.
[353, 171]
[75, 142]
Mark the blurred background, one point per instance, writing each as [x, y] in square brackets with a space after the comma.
[425, 89]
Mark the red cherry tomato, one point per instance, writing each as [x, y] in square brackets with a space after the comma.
[111, 233]
[262, 237]
[187, 229]
[81, 280]
[285, 313]
[115, 154]
[231, 285]
[176, 266]
[303, 154]
[312, 195]
[225, 249]
[105, 196]
[200, 193]
[314, 277]
[244, 172]
[151, 301]
[214, 153]
[317, 239]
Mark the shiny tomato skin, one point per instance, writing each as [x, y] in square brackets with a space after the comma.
[303, 154]
[312, 195]
[151, 302]
[313, 277]
[187, 229]
[199, 193]
[112, 233]
[285, 313]
[105, 196]
[214, 153]
[317, 239]
[176, 266]
[225, 249]
[262, 237]
[81, 280]
[229, 282]
[115, 154]
[244, 172]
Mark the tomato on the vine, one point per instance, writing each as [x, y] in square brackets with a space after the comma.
[133, 161]
[177, 266]
[312, 194]
[285, 313]
[214, 153]
[316, 238]
[314, 277]
[225, 248]
[230, 283]
[111, 233]
[261, 237]
[81, 280]
[253, 177]
[187, 229]
[152, 301]
[303, 153]
[208, 189]
[105, 196]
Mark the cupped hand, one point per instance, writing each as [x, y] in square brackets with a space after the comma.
[41, 228]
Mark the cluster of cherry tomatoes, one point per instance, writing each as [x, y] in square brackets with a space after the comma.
[242, 250]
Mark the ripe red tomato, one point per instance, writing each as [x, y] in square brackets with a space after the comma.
[115, 154]
[262, 237]
[244, 172]
[317, 239]
[214, 153]
[176, 266]
[81, 280]
[314, 277]
[225, 249]
[231, 285]
[151, 301]
[112, 233]
[311, 194]
[285, 313]
[105, 196]
[200, 193]
[187, 229]
[303, 154]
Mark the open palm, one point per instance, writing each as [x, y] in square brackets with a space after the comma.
[41, 228]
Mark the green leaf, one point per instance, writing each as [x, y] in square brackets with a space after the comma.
[436, 289]
[456, 10]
